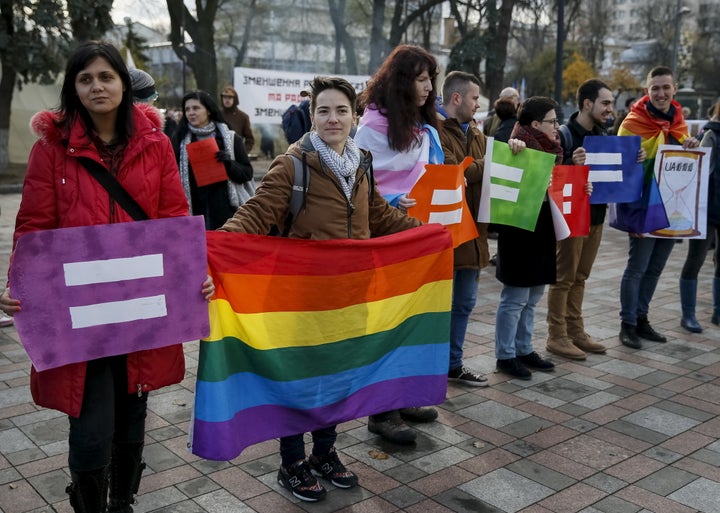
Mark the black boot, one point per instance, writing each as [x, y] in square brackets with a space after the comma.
[628, 336]
[88, 491]
[644, 330]
[126, 467]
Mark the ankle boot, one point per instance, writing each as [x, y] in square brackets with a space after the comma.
[88, 490]
[565, 347]
[688, 298]
[126, 467]
[716, 300]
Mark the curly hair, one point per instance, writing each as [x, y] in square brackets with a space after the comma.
[392, 90]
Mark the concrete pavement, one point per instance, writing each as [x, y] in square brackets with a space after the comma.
[626, 432]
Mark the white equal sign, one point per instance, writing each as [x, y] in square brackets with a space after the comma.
[567, 203]
[600, 167]
[509, 173]
[445, 197]
[110, 271]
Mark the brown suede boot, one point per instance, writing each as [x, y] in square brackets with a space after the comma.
[587, 344]
[564, 347]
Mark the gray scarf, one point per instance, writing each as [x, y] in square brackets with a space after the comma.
[343, 166]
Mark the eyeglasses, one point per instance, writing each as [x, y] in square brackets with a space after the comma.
[551, 121]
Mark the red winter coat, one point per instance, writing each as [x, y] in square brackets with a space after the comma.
[59, 192]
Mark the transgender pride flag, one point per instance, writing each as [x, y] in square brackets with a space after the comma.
[306, 334]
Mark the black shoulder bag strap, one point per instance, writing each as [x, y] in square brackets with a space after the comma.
[116, 191]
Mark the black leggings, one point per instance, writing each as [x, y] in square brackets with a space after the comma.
[109, 414]
[697, 250]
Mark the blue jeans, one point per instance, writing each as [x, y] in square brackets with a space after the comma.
[514, 320]
[646, 261]
[465, 284]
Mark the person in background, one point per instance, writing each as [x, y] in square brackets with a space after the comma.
[506, 111]
[492, 122]
[461, 138]
[201, 119]
[267, 141]
[143, 86]
[105, 399]
[399, 127]
[698, 248]
[657, 118]
[526, 259]
[236, 119]
[341, 202]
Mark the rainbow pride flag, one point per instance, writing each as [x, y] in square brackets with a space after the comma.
[306, 334]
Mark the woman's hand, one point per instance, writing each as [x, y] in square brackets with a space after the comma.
[578, 156]
[208, 288]
[588, 188]
[404, 203]
[516, 145]
[9, 305]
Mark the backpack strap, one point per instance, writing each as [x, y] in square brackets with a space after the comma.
[566, 140]
[298, 195]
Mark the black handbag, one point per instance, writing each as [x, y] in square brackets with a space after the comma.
[116, 191]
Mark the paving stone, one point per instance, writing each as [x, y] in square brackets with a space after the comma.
[51, 485]
[159, 458]
[457, 500]
[564, 389]
[605, 482]
[666, 480]
[624, 369]
[615, 505]
[494, 414]
[541, 474]
[702, 494]
[662, 421]
[506, 490]
[441, 459]
[636, 431]
[597, 400]
[14, 440]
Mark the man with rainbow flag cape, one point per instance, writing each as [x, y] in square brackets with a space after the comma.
[657, 118]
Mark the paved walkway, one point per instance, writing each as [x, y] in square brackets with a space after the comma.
[629, 431]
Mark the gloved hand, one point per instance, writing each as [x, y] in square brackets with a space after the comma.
[223, 156]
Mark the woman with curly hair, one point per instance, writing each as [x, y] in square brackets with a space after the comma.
[399, 127]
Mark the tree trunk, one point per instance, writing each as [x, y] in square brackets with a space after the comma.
[498, 34]
[377, 41]
[343, 40]
[7, 87]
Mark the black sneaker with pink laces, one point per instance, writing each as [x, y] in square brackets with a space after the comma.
[298, 478]
[331, 468]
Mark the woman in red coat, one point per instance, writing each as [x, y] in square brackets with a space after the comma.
[106, 399]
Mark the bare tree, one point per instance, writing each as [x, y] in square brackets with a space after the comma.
[343, 39]
[200, 56]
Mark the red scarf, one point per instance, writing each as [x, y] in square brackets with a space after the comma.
[537, 140]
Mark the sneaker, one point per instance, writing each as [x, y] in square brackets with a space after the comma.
[512, 367]
[644, 330]
[392, 429]
[464, 375]
[628, 336]
[6, 320]
[534, 361]
[299, 480]
[420, 414]
[330, 467]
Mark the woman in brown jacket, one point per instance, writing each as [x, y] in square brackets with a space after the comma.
[341, 202]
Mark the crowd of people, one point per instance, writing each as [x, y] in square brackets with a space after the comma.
[106, 115]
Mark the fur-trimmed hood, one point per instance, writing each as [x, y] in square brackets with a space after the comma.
[44, 123]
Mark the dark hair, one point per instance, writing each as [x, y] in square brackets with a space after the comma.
[505, 108]
[589, 90]
[206, 100]
[659, 71]
[320, 84]
[457, 82]
[70, 104]
[535, 108]
[392, 90]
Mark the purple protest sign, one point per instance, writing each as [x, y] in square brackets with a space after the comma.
[104, 290]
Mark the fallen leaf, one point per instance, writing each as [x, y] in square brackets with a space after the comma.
[378, 455]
